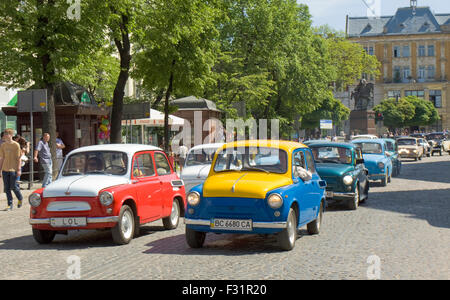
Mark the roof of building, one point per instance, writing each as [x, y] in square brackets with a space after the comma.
[407, 20]
[194, 103]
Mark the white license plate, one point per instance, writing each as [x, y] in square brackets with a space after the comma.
[330, 194]
[232, 224]
[68, 222]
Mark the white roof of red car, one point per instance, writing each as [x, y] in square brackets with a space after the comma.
[127, 148]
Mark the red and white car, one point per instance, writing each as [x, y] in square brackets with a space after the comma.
[116, 186]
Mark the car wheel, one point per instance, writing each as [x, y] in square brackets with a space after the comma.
[171, 222]
[288, 236]
[384, 181]
[195, 239]
[314, 226]
[123, 232]
[354, 203]
[43, 236]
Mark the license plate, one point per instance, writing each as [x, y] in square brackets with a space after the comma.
[330, 194]
[232, 224]
[68, 222]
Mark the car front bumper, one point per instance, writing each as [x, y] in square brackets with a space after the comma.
[340, 196]
[377, 176]
[96, 222]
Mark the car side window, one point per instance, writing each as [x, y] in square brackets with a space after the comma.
[310, 162]
[298, 161]
[162, 164]
[143, 165]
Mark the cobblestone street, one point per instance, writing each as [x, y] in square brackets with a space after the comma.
[406, 225]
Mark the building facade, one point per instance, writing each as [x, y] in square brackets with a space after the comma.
[413, 47]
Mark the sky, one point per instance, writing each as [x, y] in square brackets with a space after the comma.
[333, 12]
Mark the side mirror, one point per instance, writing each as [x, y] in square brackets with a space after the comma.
[387, 154]
[359, 161]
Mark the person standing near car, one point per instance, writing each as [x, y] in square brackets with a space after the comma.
[45, 157]
[10, 164]
[59, 151]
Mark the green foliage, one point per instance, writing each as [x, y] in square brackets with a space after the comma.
[409, 111]
[330, 109]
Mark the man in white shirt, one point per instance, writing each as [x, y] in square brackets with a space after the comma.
[182, 154]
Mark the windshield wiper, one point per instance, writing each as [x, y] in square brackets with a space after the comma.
[255, 169]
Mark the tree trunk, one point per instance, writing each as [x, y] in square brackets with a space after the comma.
[166, 112]
[124, 48]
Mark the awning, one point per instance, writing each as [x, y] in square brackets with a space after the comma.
[156, 119]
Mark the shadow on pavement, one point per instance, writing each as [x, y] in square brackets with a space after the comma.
[427, 171]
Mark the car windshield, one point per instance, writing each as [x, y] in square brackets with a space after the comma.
[406, 142]
[203, 156]
[370, 148]
[435, 137]
[263, 159]
[96, 162]
[339, 155]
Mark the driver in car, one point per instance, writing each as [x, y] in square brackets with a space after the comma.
[95, 165]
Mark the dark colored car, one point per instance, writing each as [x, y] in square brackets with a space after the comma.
[439, 142]
[341, 165]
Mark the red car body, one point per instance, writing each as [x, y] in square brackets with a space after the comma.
[149, 197]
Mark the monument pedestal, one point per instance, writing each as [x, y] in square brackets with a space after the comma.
[362, 122]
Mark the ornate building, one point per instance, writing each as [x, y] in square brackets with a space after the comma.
[413, 47]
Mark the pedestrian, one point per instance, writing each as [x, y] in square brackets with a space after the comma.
[182, 154]
[45, 158]
[59, 151]
[10, 164]
[25, 149]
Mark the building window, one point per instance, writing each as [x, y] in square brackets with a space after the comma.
[396, 51]
[406, 51]
[394, 94]
[397, 75]
[421, 74]
[406, 74]
[436, 98]
[431, 50]
[421, 51]
[371, 52]
[431, 72]
[420, 94]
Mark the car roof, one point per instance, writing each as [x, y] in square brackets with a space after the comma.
[127, 148]
[369, 141]
[333, 144]
[284, 145]
[205, 146]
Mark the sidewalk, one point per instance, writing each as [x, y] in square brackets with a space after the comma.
[25, 193]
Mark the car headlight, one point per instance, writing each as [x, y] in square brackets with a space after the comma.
[106, 198]
[35, 200]
[275, 201]
[381, 165]
[193, 198]
[348, 180]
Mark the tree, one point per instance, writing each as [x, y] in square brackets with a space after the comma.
[177, 49]
[330, 109]
[40, 41]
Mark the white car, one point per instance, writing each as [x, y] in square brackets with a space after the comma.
[364, 137]
[197, 165]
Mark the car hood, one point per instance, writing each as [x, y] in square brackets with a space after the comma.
[409, 147]
[330, 169]
[243, 184]
[195, 172]
[82, 185]
[372, 158]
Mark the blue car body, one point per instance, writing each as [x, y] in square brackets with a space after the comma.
[379, 164]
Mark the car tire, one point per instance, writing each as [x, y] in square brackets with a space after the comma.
[44, 236]
[384, 182]
[195, 239]
[288, 236]
[171, 222]
[354, 203]
[123, 232]
[314, 226]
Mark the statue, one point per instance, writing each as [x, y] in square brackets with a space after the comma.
[363, 95]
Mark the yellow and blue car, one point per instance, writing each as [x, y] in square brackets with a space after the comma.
[257, 187]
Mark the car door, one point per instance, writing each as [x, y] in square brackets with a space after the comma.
[164, 171]
[148, 187]
[361, 171]
[302, 187]
[315, 191]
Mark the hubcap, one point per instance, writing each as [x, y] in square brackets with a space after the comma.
[357, 196]
[127, 224]
[175, 213]
[291, 228]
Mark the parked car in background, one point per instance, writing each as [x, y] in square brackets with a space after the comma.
[117, 187]
[197, 165]
[439, 142]
[262, 187]
[341, 165]
[309, 142]
[364, 137]
[392, 148]
[410, 147]
[426, 147]
[376, 159]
